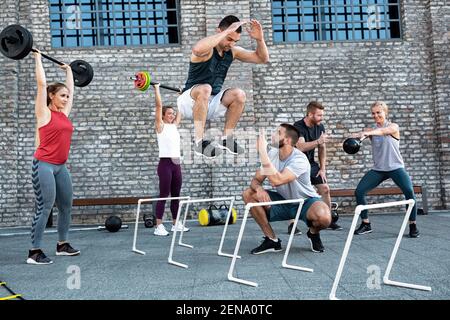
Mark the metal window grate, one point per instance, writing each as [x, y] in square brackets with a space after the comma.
[335, 20]
[86, 23]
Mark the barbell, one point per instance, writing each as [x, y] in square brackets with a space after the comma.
[16, 42]
[143, 80]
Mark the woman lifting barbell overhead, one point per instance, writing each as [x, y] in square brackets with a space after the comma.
[50, 177]
[169, 168]
[388, 164]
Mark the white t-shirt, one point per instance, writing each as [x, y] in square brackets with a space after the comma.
[298, 164]
[169, 141]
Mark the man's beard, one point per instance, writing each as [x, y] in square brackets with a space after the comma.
[278, 145]
[316, 123]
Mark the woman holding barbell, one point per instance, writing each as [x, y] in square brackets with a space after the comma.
[51, 179]
[169, 168]
[388, 164]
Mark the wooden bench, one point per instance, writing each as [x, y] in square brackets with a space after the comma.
[83, 202]
[386, 192]
[80, 202]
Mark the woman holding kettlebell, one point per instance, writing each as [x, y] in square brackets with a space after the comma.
[388, 164]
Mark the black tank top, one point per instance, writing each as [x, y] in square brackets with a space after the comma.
[212, 71]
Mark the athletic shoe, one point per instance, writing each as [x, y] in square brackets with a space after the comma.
[267, 245]
[66, 249]
[160, 230]
[413, 231]
[231, 146]
[37, 257]
[179, 227]
[316, 243]
[364, 228]
[297, 232]
[207, 149]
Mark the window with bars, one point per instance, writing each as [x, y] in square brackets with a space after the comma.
[335, 20]
[86, 23]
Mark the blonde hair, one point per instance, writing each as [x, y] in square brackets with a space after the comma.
[382, 104]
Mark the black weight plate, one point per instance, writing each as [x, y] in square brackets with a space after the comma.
[29, 46]
[19, 48]
[82, 73]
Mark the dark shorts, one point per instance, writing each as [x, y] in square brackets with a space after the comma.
[287, 211]
[314, 171]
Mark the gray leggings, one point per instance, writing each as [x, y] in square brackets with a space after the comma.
[51, 183]
[373, 178]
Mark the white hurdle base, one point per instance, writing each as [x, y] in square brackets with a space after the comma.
[386, 280]
[406, 285]
[140, 201]
[284, 264]
[180, 241]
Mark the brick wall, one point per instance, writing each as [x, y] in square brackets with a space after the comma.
[9, 70]
[439, 15]
[114, 149]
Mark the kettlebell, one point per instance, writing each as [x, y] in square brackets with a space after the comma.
[334, 216]
[334, 212]
[352, 145]
[149, 220]
[216, 216]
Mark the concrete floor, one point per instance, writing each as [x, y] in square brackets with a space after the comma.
[109, 270]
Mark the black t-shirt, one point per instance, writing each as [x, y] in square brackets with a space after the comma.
[309, 134]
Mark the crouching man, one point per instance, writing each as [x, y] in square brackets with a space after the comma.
[288, 171]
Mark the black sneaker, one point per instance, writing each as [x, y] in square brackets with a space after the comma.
[413, 231]
[334, 226]
[297, 232]
[206, 149]
[364, 228]
[267, 245]
[37, 257]
[231, 146]
[66, 249]
[316, 243]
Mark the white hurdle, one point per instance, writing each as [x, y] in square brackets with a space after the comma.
[140, 201]
[288, 248]
[386, 280]
[174, 235]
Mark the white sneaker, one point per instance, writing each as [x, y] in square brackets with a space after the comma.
[179, 227]
[160, 231]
